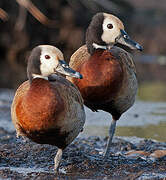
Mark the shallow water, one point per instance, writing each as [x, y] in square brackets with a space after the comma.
[154, 91]
[144, 119]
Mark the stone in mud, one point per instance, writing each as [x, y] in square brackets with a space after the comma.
[158, 154]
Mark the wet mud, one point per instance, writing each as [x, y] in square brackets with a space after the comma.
[83, 159]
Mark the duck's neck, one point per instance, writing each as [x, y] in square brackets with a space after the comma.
[94, 43]
[34, 76]
[57, 76]
[93, 39]
[94, 46]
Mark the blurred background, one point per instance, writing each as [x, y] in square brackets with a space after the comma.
[25, 24]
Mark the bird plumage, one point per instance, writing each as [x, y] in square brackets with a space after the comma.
[110, 81]
[48, 112]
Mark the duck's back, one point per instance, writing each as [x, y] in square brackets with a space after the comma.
[109, 79]
[48, 112]
[79, 57]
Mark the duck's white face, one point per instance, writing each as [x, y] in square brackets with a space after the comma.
[112, 32]
[111, 28]
[49, 59]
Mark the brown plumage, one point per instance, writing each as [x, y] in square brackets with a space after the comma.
[109, 82]
[48, 112]
[109, 79]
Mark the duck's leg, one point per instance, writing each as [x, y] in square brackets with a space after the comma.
[57, 159]
[111, 135]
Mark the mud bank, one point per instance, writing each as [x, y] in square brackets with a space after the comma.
[131, 158]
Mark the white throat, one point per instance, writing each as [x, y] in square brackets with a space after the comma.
[39, 76]
[97, 46]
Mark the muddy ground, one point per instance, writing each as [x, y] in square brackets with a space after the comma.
[22, 159]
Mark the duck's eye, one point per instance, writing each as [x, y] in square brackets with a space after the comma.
[47, 56]
[126, 36]
[109, 26]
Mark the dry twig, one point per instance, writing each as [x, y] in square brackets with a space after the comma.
[27, 4]
[3, 15]
[21, 20]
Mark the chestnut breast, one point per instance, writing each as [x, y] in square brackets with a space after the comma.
[40, 107]
[102, 77]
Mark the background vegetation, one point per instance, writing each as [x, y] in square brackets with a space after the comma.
[25, 24]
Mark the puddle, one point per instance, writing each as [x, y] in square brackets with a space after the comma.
[144, 119]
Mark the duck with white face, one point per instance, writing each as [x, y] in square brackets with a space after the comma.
[48, 60]
[110, 81]
[105, 30]
[44, 111]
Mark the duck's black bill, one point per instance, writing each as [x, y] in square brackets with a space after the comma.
[127, 41]
[64, 69]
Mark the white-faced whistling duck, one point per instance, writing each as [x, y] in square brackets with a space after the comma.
[48, 112]
[109, 82]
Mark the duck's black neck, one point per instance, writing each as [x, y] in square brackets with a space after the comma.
[94, 41]
[34, 63]
[30, 78]
[94, 33]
